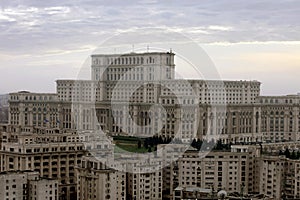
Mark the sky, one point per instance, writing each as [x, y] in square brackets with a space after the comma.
[42, 41]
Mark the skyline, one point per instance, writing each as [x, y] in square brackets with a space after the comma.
[255, 40]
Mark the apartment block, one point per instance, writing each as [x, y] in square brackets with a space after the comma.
[96, 181]
[53, 153]
[27, 185]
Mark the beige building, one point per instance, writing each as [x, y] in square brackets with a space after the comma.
[191, 108]
[49, 133]
[145, 78]
[279, 117]
[243, 170]
[271, 176]
[43, 188]
[144, 179]
[217, 170]
[129, 179]
[279, 177]
[96, 181]
[232, 170]
[53, 153]
[27, 185]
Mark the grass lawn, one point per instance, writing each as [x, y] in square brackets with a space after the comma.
[128, 144]
[123, 148]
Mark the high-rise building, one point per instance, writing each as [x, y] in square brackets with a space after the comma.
[96, 181]
[53, 153]
[27, 185]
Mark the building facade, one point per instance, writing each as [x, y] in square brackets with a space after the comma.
[27, 185]
[59, 135]
[53, 153]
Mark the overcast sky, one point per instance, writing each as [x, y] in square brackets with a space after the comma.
[41, 41]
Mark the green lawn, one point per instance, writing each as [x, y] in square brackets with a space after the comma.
[125, 144]
[123, 148]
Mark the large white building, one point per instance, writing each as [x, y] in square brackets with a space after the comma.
[137, 94]
[189, 108]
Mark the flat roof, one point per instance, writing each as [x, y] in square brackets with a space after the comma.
[131, 54]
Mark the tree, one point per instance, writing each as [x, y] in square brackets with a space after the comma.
[169, 140]
[298, 154]
[146, 144]
[219, 145]
[160, 140]
[287, 153]
[155, 140]
[139, 144]
[151, 141]
[293, 155]
[199, 144]
[194, 142]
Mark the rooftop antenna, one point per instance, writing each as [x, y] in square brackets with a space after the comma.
[170, 50]
[147, 48]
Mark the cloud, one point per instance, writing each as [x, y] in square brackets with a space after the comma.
[57, 10]
[6, 18]
[220, 28]
[64, 28]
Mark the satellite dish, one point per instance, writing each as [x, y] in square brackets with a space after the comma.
[222, 194]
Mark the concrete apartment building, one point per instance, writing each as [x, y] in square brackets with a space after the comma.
[279, 177]
[144, 179]
[27, 185]
[242, 170]
[53, 153]
[129, 177]
[217, 170]
[97, 181]
[231, 171]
